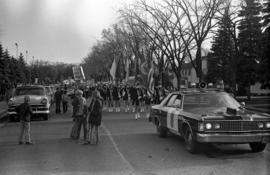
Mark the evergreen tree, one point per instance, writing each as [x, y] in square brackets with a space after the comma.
[250, 43]
[21, 69]
[221, 62]
[6, 70]
[263, 71]
[2, 63]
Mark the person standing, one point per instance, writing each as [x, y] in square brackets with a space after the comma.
[25, 112]
[58, 99]
[116, 98]
[137, 103]
[65, 101]
[94, 118]
[79, 115]
[125, 95]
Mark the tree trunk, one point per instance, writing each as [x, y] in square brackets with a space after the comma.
[199, 63]
[248, 93]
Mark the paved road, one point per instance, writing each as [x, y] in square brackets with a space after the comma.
[127, 147]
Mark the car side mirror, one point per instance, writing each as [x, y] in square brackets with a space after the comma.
[243, 104]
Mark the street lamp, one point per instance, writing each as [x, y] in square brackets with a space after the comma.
[17, 50]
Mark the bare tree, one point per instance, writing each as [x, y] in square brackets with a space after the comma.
[200, 16]
[165, 31]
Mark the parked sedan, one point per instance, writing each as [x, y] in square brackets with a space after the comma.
[210, 116]
[40, 101]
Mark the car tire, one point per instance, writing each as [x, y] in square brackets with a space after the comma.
[257, 146]
[13, 118]
[46, 117]
[190, 144]
[161, 130]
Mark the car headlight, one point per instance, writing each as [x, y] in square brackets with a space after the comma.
[10, 102]
[200, 126]
[267, 125]
[208, 126]
[217, 126]
[44, 101]
[260, 125]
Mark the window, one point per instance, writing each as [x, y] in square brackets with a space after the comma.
[175, 101]
[171, 100]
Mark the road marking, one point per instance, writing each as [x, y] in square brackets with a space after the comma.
[132, 170]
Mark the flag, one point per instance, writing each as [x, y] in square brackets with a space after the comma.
[150, 80]
[127, 69]
[113, 69]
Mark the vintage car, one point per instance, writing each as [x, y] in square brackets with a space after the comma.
[49, 91]
[210, 116]
[40, 101]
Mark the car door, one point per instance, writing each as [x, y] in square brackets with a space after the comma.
[174, 109]
[163, 110]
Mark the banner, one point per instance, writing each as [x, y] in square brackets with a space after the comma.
[78, 73]
[113, 69]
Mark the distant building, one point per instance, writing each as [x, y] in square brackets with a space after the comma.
[188, 74]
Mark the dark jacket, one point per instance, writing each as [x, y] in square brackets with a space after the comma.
[95, 114]
[24, 110]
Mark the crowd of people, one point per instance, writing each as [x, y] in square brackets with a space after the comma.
[123, 98]
[87, 106]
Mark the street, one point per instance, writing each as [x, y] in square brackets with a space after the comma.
[127, 146]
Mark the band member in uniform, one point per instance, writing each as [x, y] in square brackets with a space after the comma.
[125, 96]
[116, 98]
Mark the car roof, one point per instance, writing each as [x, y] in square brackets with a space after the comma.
[30, 86]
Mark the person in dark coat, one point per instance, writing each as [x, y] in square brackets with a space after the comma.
[94, 117]
[58, 99]
[24, 110]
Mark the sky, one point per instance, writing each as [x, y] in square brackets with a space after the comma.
[55, 30]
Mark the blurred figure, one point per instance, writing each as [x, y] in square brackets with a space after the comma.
[137, 103]
[25, 112]
[58, 99]
[94, 118]
[125, 95]
[65, 99]
[147, 100]
[116, 98]
[79, 115]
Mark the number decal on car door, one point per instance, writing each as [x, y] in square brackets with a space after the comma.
[172, 119]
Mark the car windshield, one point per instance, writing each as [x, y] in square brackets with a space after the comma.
[216, 100]
[29, 91]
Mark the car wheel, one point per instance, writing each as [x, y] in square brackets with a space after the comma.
[161, 130]
[190, 143]
[257, 146]
[13, 118]
[46, 117]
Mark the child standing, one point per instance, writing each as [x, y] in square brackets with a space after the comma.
[25, 112]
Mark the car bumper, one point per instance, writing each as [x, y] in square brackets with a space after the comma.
[34, 112]
[234, 138]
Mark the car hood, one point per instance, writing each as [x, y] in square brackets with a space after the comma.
[222, 114]
[34, 99]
